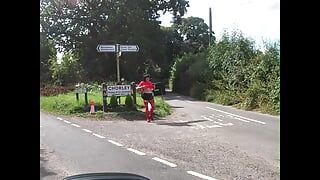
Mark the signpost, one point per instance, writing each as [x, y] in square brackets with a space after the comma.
[118, 90]
[117, 48]
[129, 48]
[106, 48]
[81, 90]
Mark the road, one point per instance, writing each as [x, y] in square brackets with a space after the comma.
[84, 152]
[256, 133]
[198, 141]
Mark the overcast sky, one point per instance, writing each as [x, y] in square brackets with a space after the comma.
[258, 19]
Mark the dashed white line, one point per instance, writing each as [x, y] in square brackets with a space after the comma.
[99, 136]
[221, 124]
[75, 125]
[200, 175]
[219, 115]
[214, 126]
[237, 115]
[164, 162]
[86, 130]
[206, 118]
[190, 101]
[115, 143]
[136, 151]
[67, 121]
[59, 118]
[200, 126]
[182, 121]
[241, 119]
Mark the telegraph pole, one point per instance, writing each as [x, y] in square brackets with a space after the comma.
[210, 27]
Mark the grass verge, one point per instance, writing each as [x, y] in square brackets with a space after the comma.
[66, 104]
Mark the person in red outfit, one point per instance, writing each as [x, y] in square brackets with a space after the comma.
[146, 88]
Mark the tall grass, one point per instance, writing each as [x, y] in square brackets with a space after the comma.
[66, 104]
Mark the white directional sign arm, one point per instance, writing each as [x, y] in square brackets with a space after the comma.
[114, 48]
[106, 48]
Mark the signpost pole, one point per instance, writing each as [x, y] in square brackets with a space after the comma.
[104, 97]
[86, 98]
[118, 67]
[117, 48]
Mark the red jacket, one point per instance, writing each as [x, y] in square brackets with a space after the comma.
[146, 85]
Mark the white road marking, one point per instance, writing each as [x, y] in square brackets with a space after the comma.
[241, 119]
[200, 175]
[67, 121]
[214, 126]
[221, 124]
[212, 116]
[237, 116]
[75, 125]
[190, 101]
[59, 118]
[164, 162]
[200, 126]
[136, 151]
[86, 130]
[182, 121]
[206, 118]
[115, 143]
[99, 136]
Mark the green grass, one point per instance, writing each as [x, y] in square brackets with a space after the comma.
[66, 104]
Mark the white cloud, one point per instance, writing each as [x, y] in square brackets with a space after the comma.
[258, 19]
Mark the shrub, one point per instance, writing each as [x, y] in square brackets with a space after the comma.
[129, 102]
[69, 71]
[197, 90]
[99, 114]
[113, 102]
[187, 71]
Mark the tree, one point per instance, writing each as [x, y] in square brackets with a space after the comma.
[173, 42]
[229, 60]
[68, 71]
[82, 26]
[46, 51]
[195, 34]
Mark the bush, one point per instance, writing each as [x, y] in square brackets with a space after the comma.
[69, 71]
[99, 114]
[113, 102]
[188, 70]
[93, 87]
[55, 90]
[162, 109]
[129, 102]
[197, 90]
[224, 97]
[252, 96]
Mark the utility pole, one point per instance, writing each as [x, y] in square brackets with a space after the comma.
[210, 27]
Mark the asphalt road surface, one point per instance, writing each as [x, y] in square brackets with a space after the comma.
[199, 140]
[253, 132]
